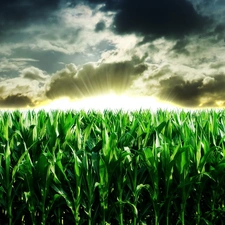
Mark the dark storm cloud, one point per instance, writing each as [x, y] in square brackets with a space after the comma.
[14, 12]
[158, 18]
[191, 93]
[16, 101]
[178, 91]
[100, 26]
[91, 80]
[109, 5]
[219, 32]
[96, 1]
[179, 47]
[19, 13]
[62, 83]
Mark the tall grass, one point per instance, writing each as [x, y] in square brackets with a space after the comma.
[112, 167]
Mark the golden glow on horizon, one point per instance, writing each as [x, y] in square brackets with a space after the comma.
[220, 103]
[108, 102]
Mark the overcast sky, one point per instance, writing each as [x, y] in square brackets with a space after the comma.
[173, 50]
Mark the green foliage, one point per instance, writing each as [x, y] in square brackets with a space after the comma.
[112, 167]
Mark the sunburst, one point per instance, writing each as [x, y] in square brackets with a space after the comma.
[108, 102]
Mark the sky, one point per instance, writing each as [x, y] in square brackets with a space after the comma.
[60, 52]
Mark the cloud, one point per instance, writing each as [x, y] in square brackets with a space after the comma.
[159, 18]
[22, 91]
[7, 64]
[100, 26]
[62, 83]
[217, 65]
[106, 5]
[13, 63]
[16, 101]
[182, 85]
[48, 60]
[180, 47]
[71, 27]
[181, 92]
[33, 73]
[202, 92]
[9, 67]
[172, 49]
[70, 38]
[92, 79]
[96, 1]
[17, 13]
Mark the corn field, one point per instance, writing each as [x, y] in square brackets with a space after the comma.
[112, 167]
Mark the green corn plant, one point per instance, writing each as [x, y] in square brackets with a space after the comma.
[72, 177]
[129, 168]
[103, 189]
[90, 162]
[9, 170]
[132, 176]
[153, 188]
[167, 163]
[103, 172]
[12, 168]
[121, 173]
[124, 167]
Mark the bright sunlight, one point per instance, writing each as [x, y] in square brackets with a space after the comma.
[108, 102]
